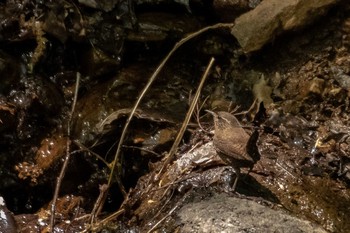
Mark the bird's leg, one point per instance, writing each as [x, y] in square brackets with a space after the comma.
[238, 172]
[247, 174]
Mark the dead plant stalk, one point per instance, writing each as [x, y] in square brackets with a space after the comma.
[66, 159]
[117, 160]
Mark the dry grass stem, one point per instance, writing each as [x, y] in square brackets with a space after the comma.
[66, 159]
[187, 119]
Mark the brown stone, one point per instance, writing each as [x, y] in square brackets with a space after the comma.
[271, 17]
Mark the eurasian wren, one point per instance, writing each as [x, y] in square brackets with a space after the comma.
[233, 144]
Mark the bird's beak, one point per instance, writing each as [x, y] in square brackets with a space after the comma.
[211, 112]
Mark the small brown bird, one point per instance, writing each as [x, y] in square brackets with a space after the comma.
[233, 144]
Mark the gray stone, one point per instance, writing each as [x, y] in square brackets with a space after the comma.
[222, 213]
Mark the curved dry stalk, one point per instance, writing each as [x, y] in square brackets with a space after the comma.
[67, 157]
[187, 119]
[179, 136]
[116, 161]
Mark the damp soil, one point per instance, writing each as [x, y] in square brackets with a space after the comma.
[296, 90]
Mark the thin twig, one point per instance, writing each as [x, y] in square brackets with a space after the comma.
[168, 214]
[66, 159]
[95, 227]
[84, 148]
[143, 149]
[163, 206]
[160, 221]
[103, 189]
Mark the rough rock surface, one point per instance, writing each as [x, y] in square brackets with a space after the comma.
[222, 213]
[259, 26]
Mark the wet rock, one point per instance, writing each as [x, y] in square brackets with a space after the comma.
[155, 26]
[158, 140]
[259, 26]
[103, 5]
[9, 72]
[66, 207]
[111, 100]
[299, 180]
[63, 20]
[228, 10]
[7, 221]
[221, 213]
[7, 113]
